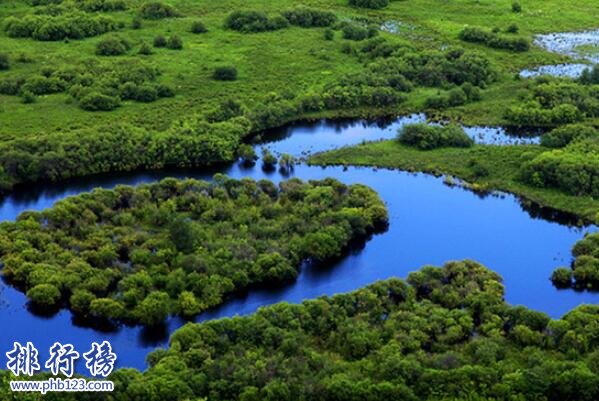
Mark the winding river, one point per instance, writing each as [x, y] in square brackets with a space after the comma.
[430, 223]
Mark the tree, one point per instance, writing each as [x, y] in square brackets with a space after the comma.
[44, 295]
[154, 309]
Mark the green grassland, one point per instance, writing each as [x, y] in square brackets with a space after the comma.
[289, 60]
[500, 166]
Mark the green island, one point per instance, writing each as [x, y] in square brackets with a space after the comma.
[142, 253]
[443, 334]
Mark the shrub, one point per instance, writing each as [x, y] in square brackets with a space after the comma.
[27, 97]
[329, 34]
[225, 73]
[562, 136]
[254, 21]
[112, 46]
[174, 43]
[136, 23]
[516, 7]
[128, 91]
[562, 277]
[11, 86]
[146, 93]
[309, 17]
[457, 97]
[225, 111]
[268, 159]
[101, 5]
[590, 76]
[51, 28]
[164, 91]
[494, 40]
[247, 154]
[157, 10]
[96, 101]
[145, 49]
[573, 169]
[198, 27]
[428, 137]
[4, 63]
[40, 85]
[374, 4]
[44, 295]
[513, 28]
[159, 41]
[354, 32]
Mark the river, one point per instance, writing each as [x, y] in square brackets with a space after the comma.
[430, 223]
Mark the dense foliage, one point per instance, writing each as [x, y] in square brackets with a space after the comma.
[112, 81]
[446, 334]
[119, 147]
[52, 28]
[573, 169]
[157, 10]
[375, 4]
[584, 272]
[254, 21]
[550, 102]
[309, 17]
[495, 40]
[562, 136]
[143, 253]
[426, 136]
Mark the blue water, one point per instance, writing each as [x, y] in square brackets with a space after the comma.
[430, 223]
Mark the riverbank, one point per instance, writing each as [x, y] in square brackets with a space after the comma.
[482, 167]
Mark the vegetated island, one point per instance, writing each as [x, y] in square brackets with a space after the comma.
[139, 254]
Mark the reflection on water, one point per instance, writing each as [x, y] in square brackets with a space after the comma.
[430, 223]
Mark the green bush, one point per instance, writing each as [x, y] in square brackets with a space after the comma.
[494, 40]
[573, 169]
[374, 4]
[174, 43]
[516, 7]
[156, 10]
[590, 76]
[112, 46]
[28, 97]
[426, 137]
[159, 41]
[329, 34]
[309, 17]
[145, 49]
[41, 85]
[564, 135]
[254, 21]
[44, 295]
[354, 32]
[101, 5]
[562, 277]
[4, 62]
[198, 27]
[225, 73]
[96, 101]
[11, 86]
[65, 26]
